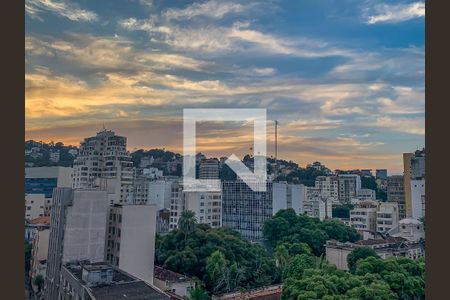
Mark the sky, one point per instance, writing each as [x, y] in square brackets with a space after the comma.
[344, 78]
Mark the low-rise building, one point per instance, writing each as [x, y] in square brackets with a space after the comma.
[101, 281]
[172, 282]
[272, 292]
[410, 229]
[39, 241]
[337, 252]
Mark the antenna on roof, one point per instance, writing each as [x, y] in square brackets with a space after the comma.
[104, 128]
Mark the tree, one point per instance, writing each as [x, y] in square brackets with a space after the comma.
[357, 254]
[198, 293]
[28, 248]
[298, 264]
[342, 210]
[39, 282]
[281, 256]
[187, 222]
[288, 227]
[254, 267]
[215, 265]
[375, 291]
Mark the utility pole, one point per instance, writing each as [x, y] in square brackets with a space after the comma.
[276, 147]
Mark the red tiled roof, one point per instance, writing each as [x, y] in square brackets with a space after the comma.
[41, 220]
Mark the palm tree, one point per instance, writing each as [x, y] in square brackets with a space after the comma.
[187, 222]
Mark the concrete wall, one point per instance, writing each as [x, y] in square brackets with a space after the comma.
[417, 190]
[86, 223]
[34, 206]
[297, 193]
[279, 197]
[137, 244]
[159, 193]
[337, 257]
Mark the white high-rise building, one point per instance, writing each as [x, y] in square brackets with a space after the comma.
[77, 231]
[329, 186]
[364, 216]
[349, 185]
[296, 197]
[104, 159]
[418, 198]
[160, 193]
[387, 216]
[316, 205]
[207, 205]
[131, 239]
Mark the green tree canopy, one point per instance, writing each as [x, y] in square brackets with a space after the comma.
[357, 254]
[288, 227]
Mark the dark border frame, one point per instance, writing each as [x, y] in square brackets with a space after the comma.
[437, 135]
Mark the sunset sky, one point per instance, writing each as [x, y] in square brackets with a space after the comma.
[344, 78]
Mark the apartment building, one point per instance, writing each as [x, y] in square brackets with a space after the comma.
[209, 169]
[417, 198]
[329, 187]
[141, 179]
[366, 194]
[207, 205]
[396, 193]
[77, 231]
[40, 228]
[364, 216]
[39, 185]
[387, 216]
[131, 239]
[414, 170]
[349, 185]
[105, 156]
[316, 205]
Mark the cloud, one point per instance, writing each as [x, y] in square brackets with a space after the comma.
[395, 13]
[406, 125]
[34, 8]
[213, 9]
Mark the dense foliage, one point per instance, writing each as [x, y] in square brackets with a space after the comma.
[370, 183]
[218, 257]
[357, 254]
[288, 227]
[342, 210]
[43, 159]
[308, 277]
[306, 176]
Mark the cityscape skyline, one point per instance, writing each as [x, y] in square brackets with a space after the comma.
[354, 71]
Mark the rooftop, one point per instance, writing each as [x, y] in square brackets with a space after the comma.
[40, 221]
[123, 286]
[136, 290]
[168, 275]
